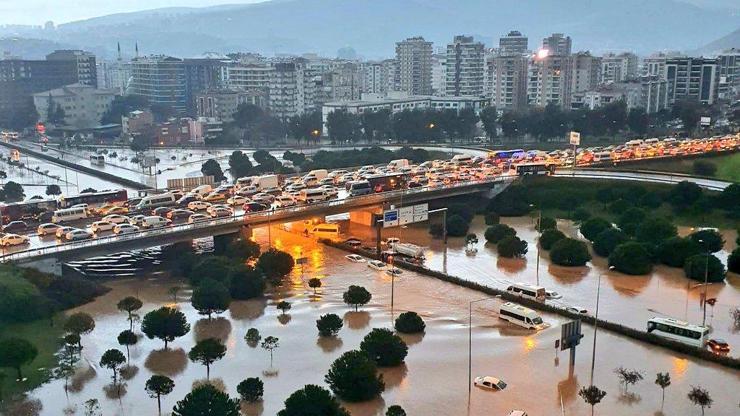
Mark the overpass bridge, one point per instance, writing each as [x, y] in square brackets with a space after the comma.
[50, 258]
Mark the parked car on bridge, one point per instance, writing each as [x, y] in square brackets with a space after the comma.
[15, 226]
[198, 205]
[61, 232]
[154, 221]
[179, 213]
[237, 200]
[13, 240]
[116, 218]
[125, 229]
[77, 235]
[254, 207]
[198, 218]
[221, 212]
[136, 219]
[161, 211]
[99, 226]
[47, 228]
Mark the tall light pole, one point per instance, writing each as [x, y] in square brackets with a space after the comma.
[539, 237]
[470, 343]
[706, 283]
[596, 326]
[393, 280]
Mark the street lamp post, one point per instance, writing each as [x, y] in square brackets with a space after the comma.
[596, 326]
[393, 280]
[539, 236]
[470, 343]
[706, 283]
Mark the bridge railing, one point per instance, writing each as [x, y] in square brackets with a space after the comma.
[246, 218]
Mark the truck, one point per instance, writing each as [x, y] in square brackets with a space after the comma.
[266, 182]
[398, 164]
[319, 173]
[408, 249]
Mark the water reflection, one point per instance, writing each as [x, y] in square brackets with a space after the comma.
[357, 320]
[24, 407]
[115, 391]
[218, 328]
[628, 285]
[629, 398]
[329, 344]
[511, 266]
[170, 362]
[367, 408]
[394, 376]
[80, 378]
[568, 275]
[568, 389]
[129, 371]
[412, 339]
[248, 310]
[216, 382]
[253, 409]
[284, 318]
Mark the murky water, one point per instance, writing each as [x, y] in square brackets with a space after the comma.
[434, 379]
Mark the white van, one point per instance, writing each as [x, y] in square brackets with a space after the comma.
[69, 214]
[154, 201]
[202, 190]
[531, 292]
[360, 188]
[327, 230]
[319, 173]
[266, 182]
[312, 195]
[154, 221]
[244, 181]
[398, 164]
[462, 159]
[519, 315]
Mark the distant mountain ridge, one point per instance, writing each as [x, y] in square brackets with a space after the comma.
[731, 40]
[372, 27]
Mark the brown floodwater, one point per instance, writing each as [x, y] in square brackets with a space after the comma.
[433, 380]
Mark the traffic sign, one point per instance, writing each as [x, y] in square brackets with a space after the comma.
[390, 218]
[575, 138]
[570, 335]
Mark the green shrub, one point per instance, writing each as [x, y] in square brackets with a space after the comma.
[546, 223]
[655, 230]
[329, 325]
[708, 239]
[581, 214]
[457, 226]
[496, 233]
[251, 389]
[733, 261]
[569, 252]
[245, 283]
[512, 247]
[275, 263]
[593, 226]
[492, 218]
[410, 323]
[550, 237]
[20, 301]
[608, 240]
[630, 219]
[384, 347]
[704, 168]
[698, 265]
[354, 377]
[675, 250]
[631, 258]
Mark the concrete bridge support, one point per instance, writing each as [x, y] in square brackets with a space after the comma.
[365, 217]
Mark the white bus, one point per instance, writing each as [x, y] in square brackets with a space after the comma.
[69, 214]
[524, 290]
[519, 315]
[154, 201]
[680, 331]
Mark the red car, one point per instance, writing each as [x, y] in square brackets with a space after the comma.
[718, 345]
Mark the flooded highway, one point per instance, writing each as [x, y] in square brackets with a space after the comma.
[433, 380]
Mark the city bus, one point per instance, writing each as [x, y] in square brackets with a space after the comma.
[389, 182]
[26, 210]
[504, 154]
[115, 197]
[680, 331]
[521, 316]
[535, 168]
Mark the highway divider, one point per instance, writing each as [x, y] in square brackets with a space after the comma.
[643, 336]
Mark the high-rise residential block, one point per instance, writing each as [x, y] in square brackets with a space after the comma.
[87, 73]
[292, 89]
[161, 79]
[465, 65]
[729, 73]
[585, 70]
[619, 67]
[509, 81]
[514, 43]
[557, 44]
[548, 80]
[414, 56]
[695, 79]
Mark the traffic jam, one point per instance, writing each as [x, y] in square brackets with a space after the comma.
[113, 212]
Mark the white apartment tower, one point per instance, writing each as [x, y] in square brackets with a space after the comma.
[414, 56]
[465, 65]
[586, 72]
[292, 89]
[619, 67]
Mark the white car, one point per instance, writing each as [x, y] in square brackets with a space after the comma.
[198, 205]
[13, 240]
[237, 200]
[330, 190]
[125, 229]
[376, 265]
[116, 218]
[283, 201]
[99, 226]
[576, 309]
[393, 271]
[354, 258]
[76, 235]
[198, 218]
[61, 232]
[136, 219]
[221, 212]
[213, 208]
[155, 221]
[488, 382]
[263, 198]
[551, 294]
[296, 187]
[48, 228]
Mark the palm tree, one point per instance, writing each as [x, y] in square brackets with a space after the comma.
[663, 380]
[592, 395]
[700, 397]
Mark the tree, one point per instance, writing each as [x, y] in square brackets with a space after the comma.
[655, 230]
[141, 142]
[384, 347]
[79, 324]
[592, 395]
[733, 261]
[252, 337]
[172, 291]
[343, 126]
[239, 164]
[708, 239]
[283, 306]
[492, 218]
[663, 380]
[251, 389]
[549, 238]
[127, 338]
[206, 352]
[638, 121]
[512, 247]
[53, 189]
[270, 343]
[13, 191]
[130, 304]
[629, 220]
[457, 226]
[356, 296]
[684, 194]
[631, 258]
[627, 377]
[329, 325]
[569, 252]
[689, 113]
[498, 232]
[210, 297]
[675, 250]
[395, 410]
[245, 283]
[158, 386]
[608, 240]
[112, 360]
[121, 106]
[312, 400]
[700, 397]
[212, 168]
[488, 117]
[314, 283]
[704, 168]
[206, 400]
[242, 248]
[410, 323]
[210, 268]
[546, 223]
[354, 377]
[166, 324]
[15, 353]
[275, 263]
[699, 265]
[593, 227]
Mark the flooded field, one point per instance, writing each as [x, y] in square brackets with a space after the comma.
[433, 381]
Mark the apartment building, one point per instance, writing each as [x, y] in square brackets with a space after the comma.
[694, 79]
[161, 79]
[414, 57]
[465, 65]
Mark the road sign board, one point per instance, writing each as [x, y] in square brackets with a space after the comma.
[390, 218]
[570, 335]
[421, 212]
[705, 121]
[405, 215]
[575, 138]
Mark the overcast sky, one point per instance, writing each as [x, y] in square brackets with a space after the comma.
[61, 11]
